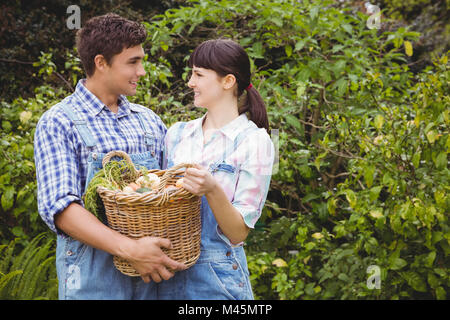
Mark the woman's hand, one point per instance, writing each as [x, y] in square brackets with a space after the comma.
[199, 181]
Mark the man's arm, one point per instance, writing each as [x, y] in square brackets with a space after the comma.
[145, 254]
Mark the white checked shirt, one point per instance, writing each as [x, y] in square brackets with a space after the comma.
[251, 161]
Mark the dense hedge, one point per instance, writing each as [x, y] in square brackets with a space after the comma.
[362, 177]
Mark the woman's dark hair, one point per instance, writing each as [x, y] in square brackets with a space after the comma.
[225, 57]
[107, 35]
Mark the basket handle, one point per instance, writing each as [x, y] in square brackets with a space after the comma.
[170, 173]
[118, 153]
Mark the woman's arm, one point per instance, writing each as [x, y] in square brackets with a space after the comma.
[236, 218]
[199, 181]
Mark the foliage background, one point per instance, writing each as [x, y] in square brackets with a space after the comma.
[363, 118]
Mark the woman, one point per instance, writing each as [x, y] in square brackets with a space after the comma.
[234, 157]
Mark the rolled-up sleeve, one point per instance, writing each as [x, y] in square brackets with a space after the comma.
[57, 172]
[254, 177]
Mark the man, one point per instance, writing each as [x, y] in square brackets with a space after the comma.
[71, 140]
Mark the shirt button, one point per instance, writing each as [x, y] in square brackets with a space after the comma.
[235, 266]
[241, 284]
[69, 253]
[94, 156]
[228, 253]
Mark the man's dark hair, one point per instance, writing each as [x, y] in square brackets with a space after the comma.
[107, 35]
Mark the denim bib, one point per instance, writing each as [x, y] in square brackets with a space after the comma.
[221, 272]
[85, 272]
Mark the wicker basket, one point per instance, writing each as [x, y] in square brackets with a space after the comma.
[173, 214]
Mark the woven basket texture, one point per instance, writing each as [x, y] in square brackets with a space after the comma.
[168, 212]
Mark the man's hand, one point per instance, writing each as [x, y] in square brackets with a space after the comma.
[146, 256]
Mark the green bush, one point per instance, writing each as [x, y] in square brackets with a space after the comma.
[363, 173]
[29, 273]
[363, 177]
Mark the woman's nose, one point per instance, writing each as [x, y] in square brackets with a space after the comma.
[191, 82]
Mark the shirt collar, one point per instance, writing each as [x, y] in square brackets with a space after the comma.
[233, 128]
[93, 104]
[230, 130]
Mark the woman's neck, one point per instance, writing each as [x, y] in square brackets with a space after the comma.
[220, 115]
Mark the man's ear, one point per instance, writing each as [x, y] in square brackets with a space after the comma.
[229, 81]
[100, 62]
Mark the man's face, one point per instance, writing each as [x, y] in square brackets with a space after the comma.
[124, 71]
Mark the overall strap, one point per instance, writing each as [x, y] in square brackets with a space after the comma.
[237, 141]
[149, 138]
[80, 125]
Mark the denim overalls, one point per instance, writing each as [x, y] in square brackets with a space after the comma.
[88, 273]
[221, 272]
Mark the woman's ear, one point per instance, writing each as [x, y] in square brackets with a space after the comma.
[229, 81]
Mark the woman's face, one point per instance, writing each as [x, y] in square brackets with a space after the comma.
[208, 87]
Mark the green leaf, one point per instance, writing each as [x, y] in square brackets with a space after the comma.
[432, 136]
[430, 259]
[318, 160]
[314, 11]
[300, 89]
[379, 121]
[305, 171]
[408, 48]
[351, 197]
[369, 172]
[8, 198]
[288, 50]
[341, 86]
[258, 50]
[343, 277]
[441, 160]
[441, 294]
[374, 193]
[415, 281]
[347, 28]
[398, 264]
[416, 159]
[433, 281]
[277, 20]
[6, 126]
[294, 122]
[300, 44]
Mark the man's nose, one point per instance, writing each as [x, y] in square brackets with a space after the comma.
[141, 71]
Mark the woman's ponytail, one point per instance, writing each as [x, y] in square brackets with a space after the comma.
[255, 106]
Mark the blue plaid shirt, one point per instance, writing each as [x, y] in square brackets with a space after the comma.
[61, 155]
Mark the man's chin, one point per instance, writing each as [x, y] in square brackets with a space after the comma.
[129, 93]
